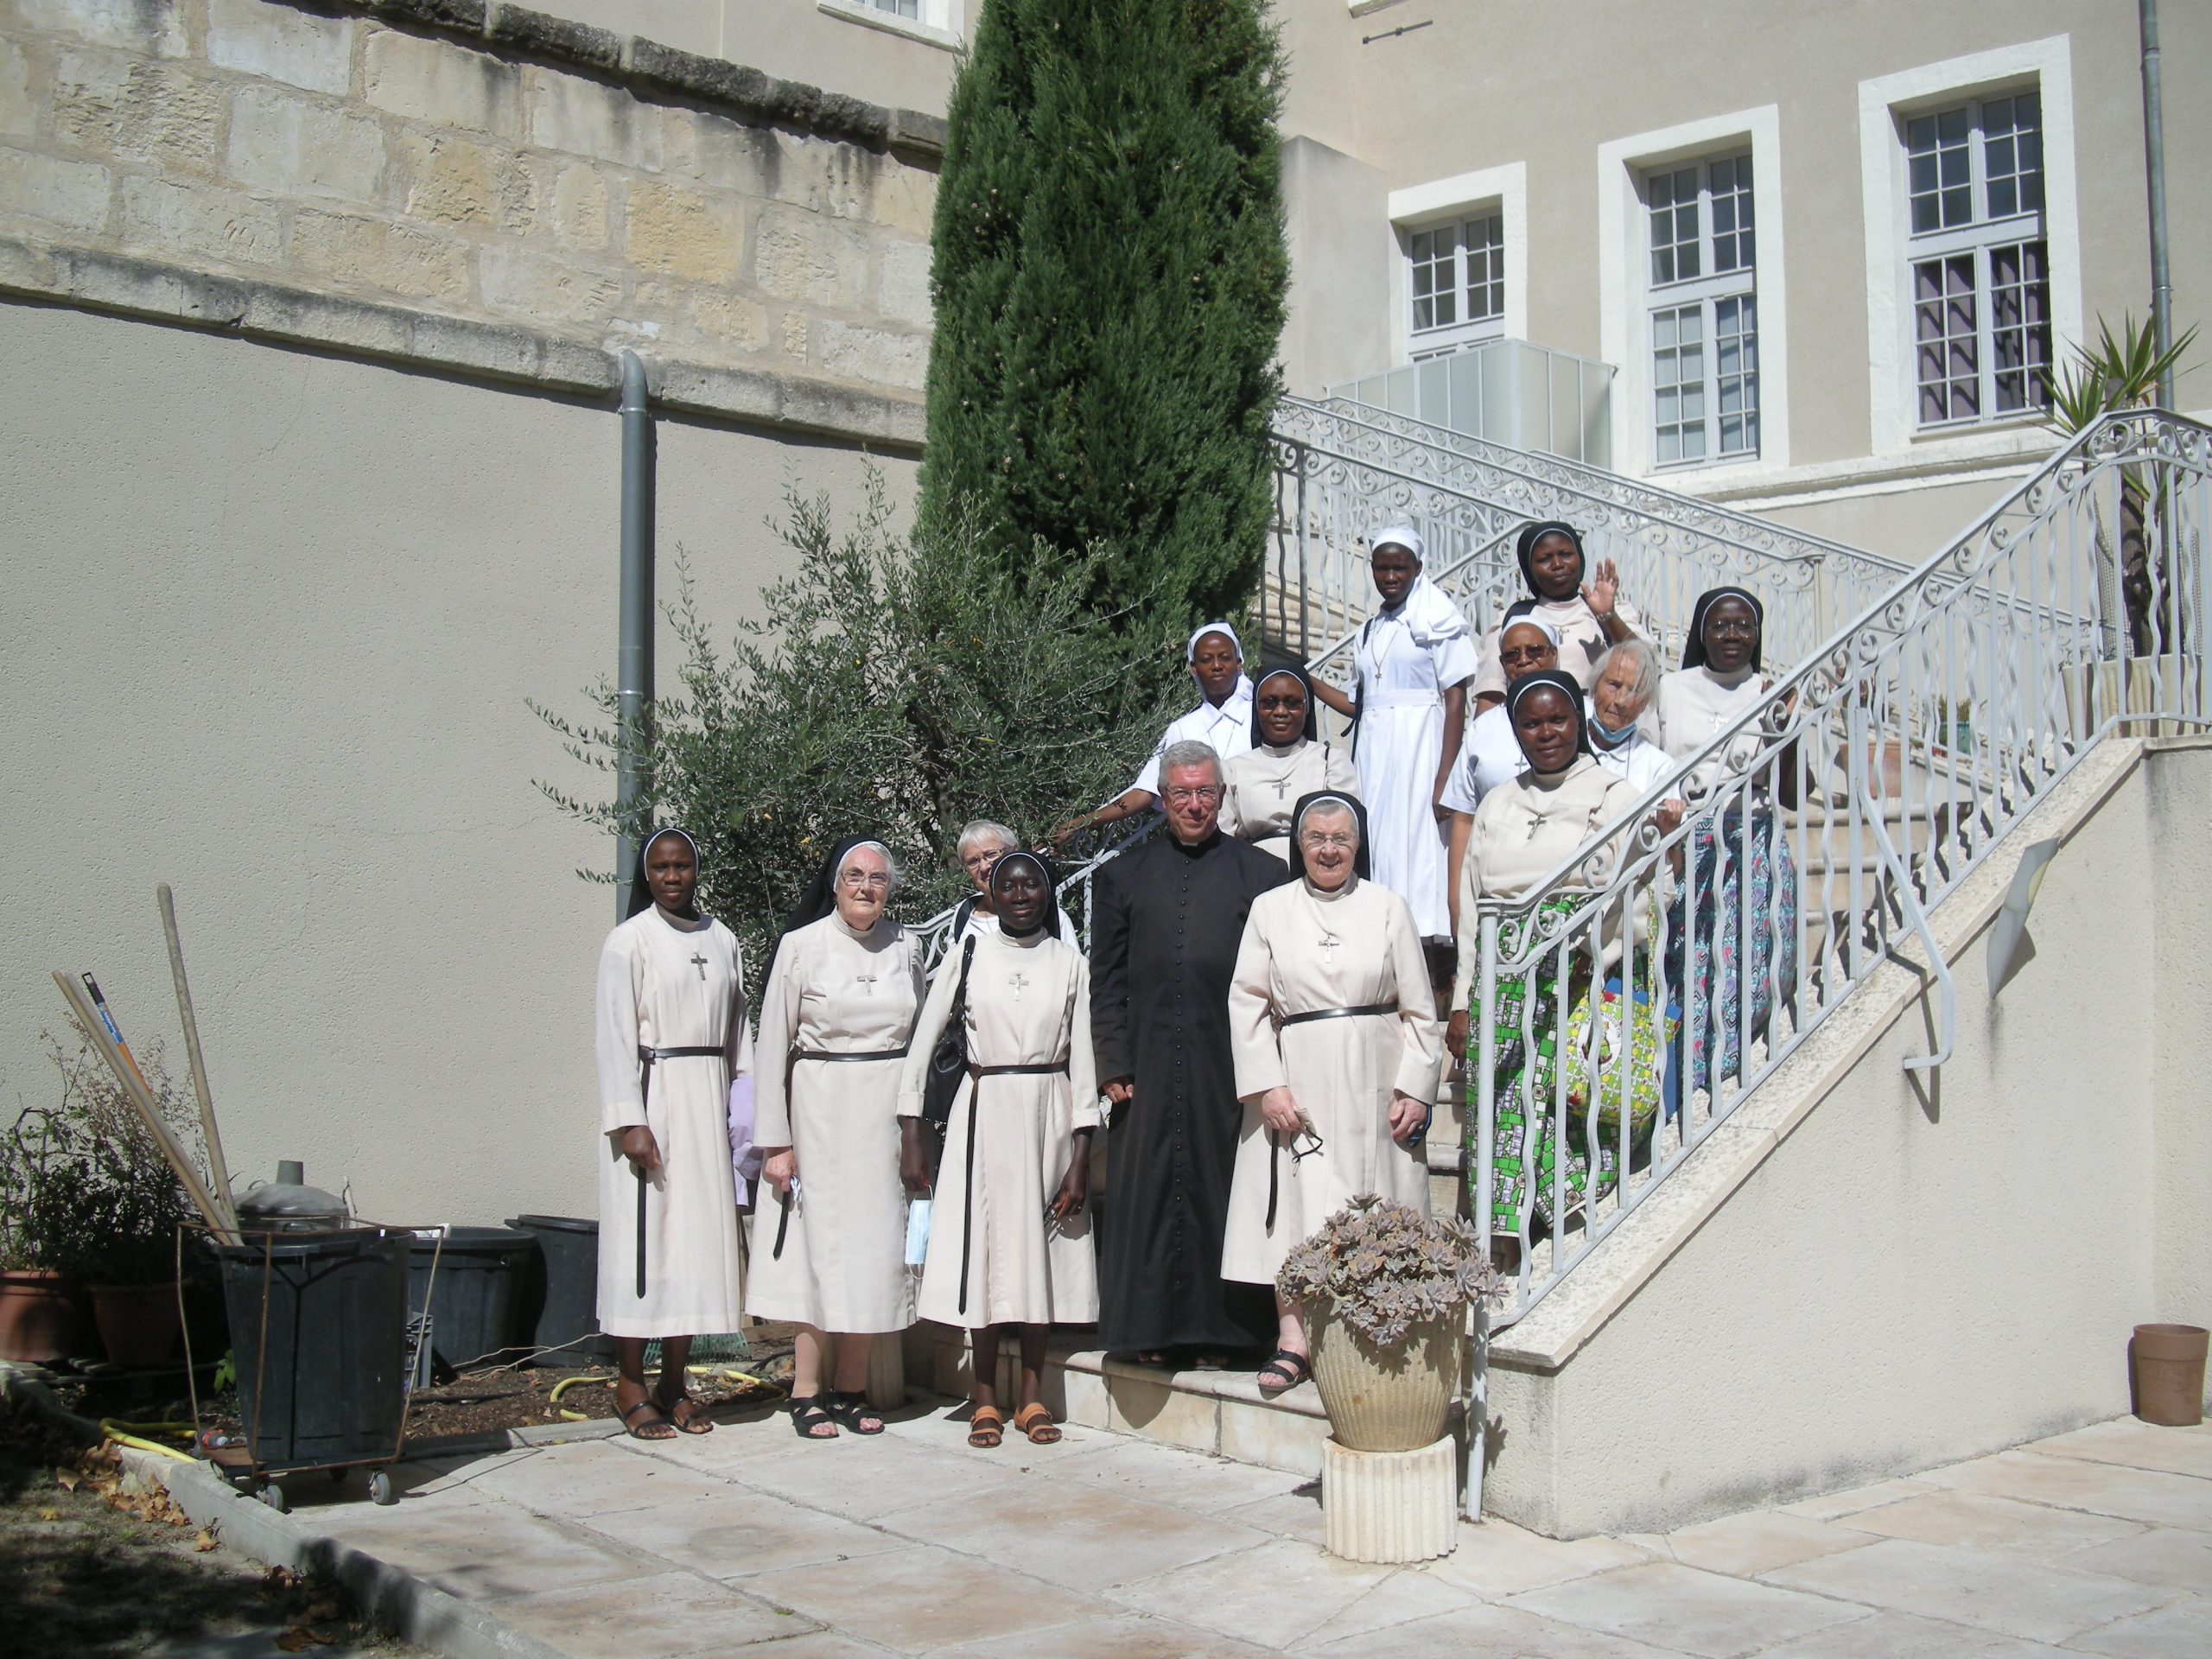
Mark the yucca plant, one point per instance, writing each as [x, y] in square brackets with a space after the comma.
[2122, 372]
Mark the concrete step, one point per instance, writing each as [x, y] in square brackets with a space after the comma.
[1219, 1413]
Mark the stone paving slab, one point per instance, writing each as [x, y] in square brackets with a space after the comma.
[744, 1541]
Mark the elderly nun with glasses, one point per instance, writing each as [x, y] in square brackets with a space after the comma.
[1337, 1050]
[829, 1251]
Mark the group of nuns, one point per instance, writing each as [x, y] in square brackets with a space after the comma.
[848, 1021]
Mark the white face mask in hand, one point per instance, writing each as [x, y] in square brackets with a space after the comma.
[917, 1232]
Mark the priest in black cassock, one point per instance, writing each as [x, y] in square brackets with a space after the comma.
[1166, 925]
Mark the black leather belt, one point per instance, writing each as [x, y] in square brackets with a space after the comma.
[1048, 1068]
[872, 1054]
[649, 1055]
[1337, 1014]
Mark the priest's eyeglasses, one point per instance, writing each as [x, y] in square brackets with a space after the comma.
[863, 881]
[1197, 797]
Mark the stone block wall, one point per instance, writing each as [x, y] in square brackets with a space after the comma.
[400, 175]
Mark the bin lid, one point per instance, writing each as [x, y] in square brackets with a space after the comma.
[288, 1202]
[554, 1223]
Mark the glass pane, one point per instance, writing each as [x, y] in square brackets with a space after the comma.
[1484, 241]
[1432, 261]
[1944, 325]
[1678, 383]
[2019, 342]
[2011, 154]
[1735, 337]
[1732, 214]
[1939, 169]
[1672, 201]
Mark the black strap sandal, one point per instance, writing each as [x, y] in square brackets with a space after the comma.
[852, 1410]
[658, 1428]
[694, 1421]
[1282, 1371]
[808, 1414]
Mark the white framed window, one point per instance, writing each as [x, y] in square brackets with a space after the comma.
[1973, 261]
[1455, 283]
[1979, 266]
[1702, 282]
[935, 21]
[1693, 302]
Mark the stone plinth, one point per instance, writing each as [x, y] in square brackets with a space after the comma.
[1390, 1506]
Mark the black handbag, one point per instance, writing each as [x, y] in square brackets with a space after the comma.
[947, 1061]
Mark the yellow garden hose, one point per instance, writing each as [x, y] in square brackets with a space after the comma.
[121, 1433]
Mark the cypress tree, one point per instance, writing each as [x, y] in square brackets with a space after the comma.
[1110, 276]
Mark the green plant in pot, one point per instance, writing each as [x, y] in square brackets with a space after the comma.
[49, 1217]
[1384, 1291]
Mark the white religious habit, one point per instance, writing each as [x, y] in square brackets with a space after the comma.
[1694, 704]
[1406, 659]
[835, 1023]
[1331, 999]
[1490, 756]
[1582, 641]
[1642, 762]
[1264, 784]
[1522, 833]
[994, 1258]
[670, 1033]
[1225, 727]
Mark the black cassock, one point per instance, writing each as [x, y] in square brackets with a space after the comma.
[1166, 925]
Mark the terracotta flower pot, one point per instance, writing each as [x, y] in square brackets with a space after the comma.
[138, 1323]
[1386, 1403]
[38, 1315]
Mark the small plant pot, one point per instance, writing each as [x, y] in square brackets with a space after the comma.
[1378, 1401]
[38, 1316]
[2165, 1373]
[138, 1323]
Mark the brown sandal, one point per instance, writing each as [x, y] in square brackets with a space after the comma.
[986, 1428]
[1037, 1423]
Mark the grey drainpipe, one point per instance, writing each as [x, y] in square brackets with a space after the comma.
[634, 664]
[2154, 171]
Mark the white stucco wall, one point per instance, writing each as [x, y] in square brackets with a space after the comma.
[271, 619]
[1917, 1275]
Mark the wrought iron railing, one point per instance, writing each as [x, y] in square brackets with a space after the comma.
[1343, 471]
[1822, 827]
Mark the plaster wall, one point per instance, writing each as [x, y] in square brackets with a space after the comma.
[1923, 1273]
[272, 617]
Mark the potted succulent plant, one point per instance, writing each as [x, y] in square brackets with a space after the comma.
[1385, 1292]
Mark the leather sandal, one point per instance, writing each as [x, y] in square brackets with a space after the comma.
[1282, 1371]
[1037, 1423]
[646, 1431]
[694, 1421]
[986, 1428]
[851, 1410]
[808, 1414]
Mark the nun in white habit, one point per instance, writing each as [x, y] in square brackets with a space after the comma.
[1412, 661]
[1287, 761]
[1009, 1242]
[829, 1248]
[1337, 1050]
[671, 1034]
[1222, 722]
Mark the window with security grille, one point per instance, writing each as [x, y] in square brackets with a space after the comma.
[1701, 283]
[1978, 262]
[1455, 282]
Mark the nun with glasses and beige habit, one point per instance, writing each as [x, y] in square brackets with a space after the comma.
[1337, 1050]
[829, 1248]
[1009, 1249]
[671, 1034]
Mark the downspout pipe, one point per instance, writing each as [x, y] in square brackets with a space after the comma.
[2154, 174]
[634, 660]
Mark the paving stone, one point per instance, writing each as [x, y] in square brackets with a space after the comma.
[652, 1618]
[918, 1599]
[2164, 1556]
[1150, 1407]
[478, 1551]
[1497, 1559]
[866, 1479]
[1132, 1636]
[2002, 1526]
[2151, 1497]
[1745, 1545]
[1971, 1588]
[1295, 1515]
[2184, 1628]
[1083, 1539]
[1481, 1631]
[1835, 1505]
[1274, 1596]
[2137, 1443]
[741, 1533]
[1901, 1636]
[1197, 1481]
[1404, 1598]
[1668, 1604]
[592, 1479]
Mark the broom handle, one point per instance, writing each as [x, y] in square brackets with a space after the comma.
[216, 1164]
[81, 1005]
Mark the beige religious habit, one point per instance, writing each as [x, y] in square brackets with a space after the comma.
[1524, 830]
[1263, 785]
[1029, 1010]
[1581, 641]
[665, 994]
[1693, 705]
[1331, 999]
[835, 1022]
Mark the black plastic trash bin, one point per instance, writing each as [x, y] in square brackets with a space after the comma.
[474, 1304]
[319, 1333]
[560, 1290]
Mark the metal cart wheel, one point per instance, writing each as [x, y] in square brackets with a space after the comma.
[380, 1489]
[273, 1496]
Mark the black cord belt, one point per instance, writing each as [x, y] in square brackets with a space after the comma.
[872, 1054]
[1337, 1014]
[649, 1055]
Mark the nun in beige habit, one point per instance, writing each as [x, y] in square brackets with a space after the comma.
[1009, 1240]
[828, 1249]
[1287, 761]
[671, 1034]
[1333, 1027]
